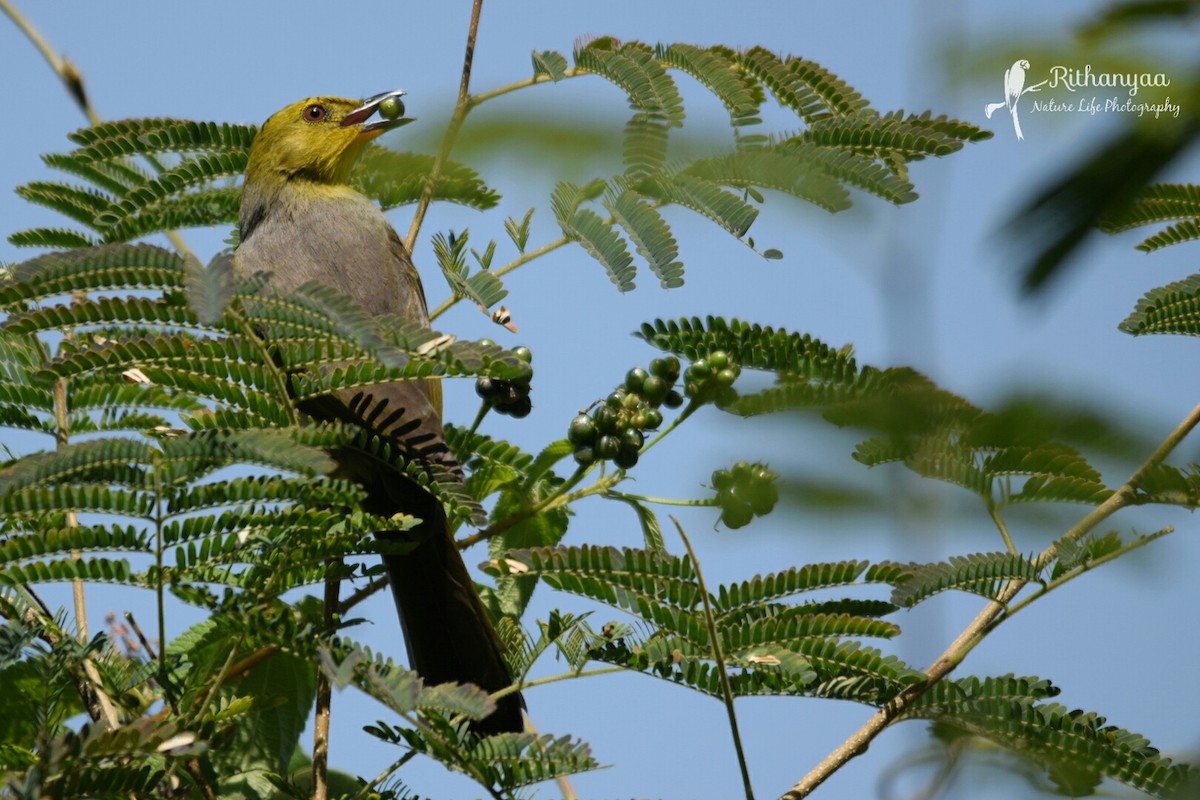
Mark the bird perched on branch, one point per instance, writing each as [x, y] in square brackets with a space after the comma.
[300, 221]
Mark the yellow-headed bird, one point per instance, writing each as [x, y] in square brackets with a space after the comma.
[301, 222]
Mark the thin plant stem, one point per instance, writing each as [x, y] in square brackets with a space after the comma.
[558, 500]
[460, 114]
[985, 622]
[369, 789]
[361, 594]
[715, 640]
[500, 272]
[72, 79]
[994, 513]
[320, 758]
[662, 501]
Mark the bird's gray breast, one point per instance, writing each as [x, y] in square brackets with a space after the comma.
[343, 242]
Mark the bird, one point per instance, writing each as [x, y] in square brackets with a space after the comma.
[300, 222]
[1014, 87]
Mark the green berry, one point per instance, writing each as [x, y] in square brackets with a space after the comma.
[654, 418]
[484, 387]
[672, 369]
[718, 360]
[584, 456]
[582, 430]
[606, 418]
[391, 108]
[762, 498]
[655, 389]
[486, 343]
[658, 367]
[726, 377]
[615, 400]
[608, 446]
[626, 459]
[520, 408]
[721, 479]
[674, 399]
[738, 516]
[632, 439]
[524, 353]
[634, 379]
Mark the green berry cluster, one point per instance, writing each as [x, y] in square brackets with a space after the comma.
[508, 397]
[614, 431]
[744, 492]
[711, 378]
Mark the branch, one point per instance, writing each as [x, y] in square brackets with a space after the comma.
[983, 624]
[320, 757]
[460, 114]
[72, 79]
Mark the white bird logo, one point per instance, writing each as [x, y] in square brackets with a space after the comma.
[1014, 87]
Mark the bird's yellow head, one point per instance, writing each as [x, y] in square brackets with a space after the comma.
[319, 139]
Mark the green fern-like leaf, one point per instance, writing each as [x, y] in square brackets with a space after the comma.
[792, 171]
[604, 244]
[1160, 202]
[852, 671]
[869, 133]
[659, 588]
[187, 175]
[716, 68]
[634, 69]
[702, 196]
[549, 63]
[1183, 231]
[1174, 308]
[650, 235]
[807, 88]
[396, 179]
[122, 138]
[52, 238]
[752, 346]
[514, 760]
[1169, 484]
[848, 166]
[1055, 473]
[981, 573]
[81, 204]
[1077, 748]
[778, 585]
[89, 269]
[484, 288]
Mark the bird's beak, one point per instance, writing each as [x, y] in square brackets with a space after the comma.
[359, 116]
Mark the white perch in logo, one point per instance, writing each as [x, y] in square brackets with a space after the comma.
[1014, 87]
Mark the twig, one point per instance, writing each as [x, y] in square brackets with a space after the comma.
[362, 594]
[90, 687]
[460, 114]
[985, 622]
[500, 272]
[320, 757]
[72, 79]
[715, 640]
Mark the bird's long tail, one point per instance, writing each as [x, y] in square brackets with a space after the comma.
[446, 627]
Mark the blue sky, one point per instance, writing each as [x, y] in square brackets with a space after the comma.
[931, 285]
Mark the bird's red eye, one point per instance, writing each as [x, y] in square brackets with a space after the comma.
[315, 113]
